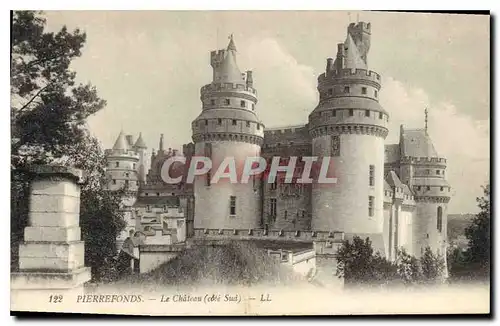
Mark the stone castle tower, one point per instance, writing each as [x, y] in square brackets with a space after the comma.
[350, 126]
[122, 169]
[228, 126]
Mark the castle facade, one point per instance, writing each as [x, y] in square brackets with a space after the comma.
[396, 194]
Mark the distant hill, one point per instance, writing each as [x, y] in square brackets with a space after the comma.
[457, 223]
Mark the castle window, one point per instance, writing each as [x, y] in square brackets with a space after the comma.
[207, 181]
[133, 166]
[158, 194]
[248, 124]
[228, 101]
[258, 126]
[126, 183]
[428, 188]
[148, 208]
[427, 171]
[273, 207]
[127, 174]
[232, 205]
[234, 122]
[243, 104]
[117, 164]
[303, 213]
[442, 189]
[253, 106]
[438, 172]
[371, 200]
[334, 113]
[419, 188]
[286, 215]
[284, 258]
[219, 121]
[146, 194]
[380, 115]
[165, 208]
[363, 90]
[206, 122]
[330, 91]
[346, 89]
[212, 102]
[367, 113]
[114, 181]
[372, 175]
[351, 112]
[376, 93]
[440, 219]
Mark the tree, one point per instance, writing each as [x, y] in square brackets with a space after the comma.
[408, 268]
[358, 265]
[48, 125]
[478, 234]
[433, 267]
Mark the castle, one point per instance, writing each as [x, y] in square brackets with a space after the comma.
[396, 194]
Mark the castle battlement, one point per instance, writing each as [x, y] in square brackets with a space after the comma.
[423, 160]
[121, 153]
[218, 87]
[262, 234]
[348, 73]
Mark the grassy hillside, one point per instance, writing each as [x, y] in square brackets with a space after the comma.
[235, 263]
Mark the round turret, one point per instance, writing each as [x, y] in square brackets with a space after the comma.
[227, 127]
[349, 125]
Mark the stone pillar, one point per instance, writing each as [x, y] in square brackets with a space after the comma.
[51, 258]
[326, 261]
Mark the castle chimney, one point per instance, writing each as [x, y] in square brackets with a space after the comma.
[249, 79]
[329, 65]
[161, 144]
[340, 57]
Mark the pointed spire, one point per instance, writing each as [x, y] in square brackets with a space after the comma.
[161, 144]
[121, 142]
[426, 119]
[140, 142]
[231, 46]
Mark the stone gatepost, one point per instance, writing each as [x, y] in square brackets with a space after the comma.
[326, 260]
[51, 258]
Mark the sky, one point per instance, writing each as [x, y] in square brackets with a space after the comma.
[150, 65]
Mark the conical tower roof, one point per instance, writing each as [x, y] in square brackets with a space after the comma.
[140, 142]
[121, 142]
[353, 57]
[229, 70]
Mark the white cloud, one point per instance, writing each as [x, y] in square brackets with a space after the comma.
[286, 88]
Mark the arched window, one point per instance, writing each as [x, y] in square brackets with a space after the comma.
[440, 219]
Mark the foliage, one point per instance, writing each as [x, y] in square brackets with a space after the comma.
[433, 266]
[478, 234]
[48, 125]
[358, 265]
[408, 268]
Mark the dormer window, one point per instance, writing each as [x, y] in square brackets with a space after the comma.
[346, 90]
[243, 104]
[117, 164]
[219, 121]
[363, 90]
[367, 113]
[351, 112]
[234, 122]
[228, 101]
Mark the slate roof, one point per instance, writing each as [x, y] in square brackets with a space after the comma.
[417, 143]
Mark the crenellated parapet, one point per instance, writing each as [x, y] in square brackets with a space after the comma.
[431, 161]
[359, 129]
[348, 75]
[263, 234]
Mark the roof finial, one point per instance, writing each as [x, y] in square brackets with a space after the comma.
[426, 119]
[231, 46]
